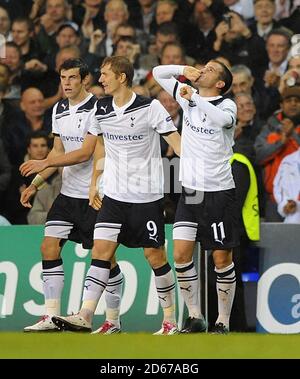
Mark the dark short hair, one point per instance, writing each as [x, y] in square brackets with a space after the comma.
[25, 20]
[120, 65]
[281, 31]
[225, 76]
[76, 63]
[69, 24]
[167, 28]
[38, 134]
[173, 44]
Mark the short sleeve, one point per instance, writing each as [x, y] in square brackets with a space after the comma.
[95, 126]
[159, 118]
[55, 128]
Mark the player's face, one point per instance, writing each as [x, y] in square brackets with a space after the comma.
[209, 75]
[71, 82]
[109, 80]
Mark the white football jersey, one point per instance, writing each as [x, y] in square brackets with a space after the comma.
[71, 124]
[206, 145]
[133, 170]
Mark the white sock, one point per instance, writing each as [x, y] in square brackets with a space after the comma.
[53, 284]
[165, 286]
[189, 286]
[113, 295]
[95, 282]
[226, 283]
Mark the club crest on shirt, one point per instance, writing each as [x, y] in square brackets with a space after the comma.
[132, 121]
[192, 103]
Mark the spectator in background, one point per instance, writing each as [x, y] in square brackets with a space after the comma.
[55, 15]
[31, 118]
[278, 138]
[67, 35]
[235, 41]
[43, 200]
[166, 32]
[126, 47]
[115, 14]
[89, 15]
[199, 40]
[292, 75]
[141, 18]
[172, 53]
[266, 99]
[264, 12]
[287, 188]
[37, 148]
[13, 61]
[164, 12]
[277, 45]
[22, 35]
[248, 126]
[5, 24]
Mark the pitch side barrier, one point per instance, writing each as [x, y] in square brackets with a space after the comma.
[21, 299]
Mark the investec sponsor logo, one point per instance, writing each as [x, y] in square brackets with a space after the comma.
[123, 137]
[199, 129]
[72, 138]
[278, 299]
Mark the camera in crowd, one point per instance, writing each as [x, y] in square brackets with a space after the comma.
[227, 18]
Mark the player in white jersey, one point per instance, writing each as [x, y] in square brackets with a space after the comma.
[206, 211]
[132, 208]
[71, 217]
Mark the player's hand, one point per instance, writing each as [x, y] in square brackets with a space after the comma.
[26, 195]
[33, 167]
[191, 73]
[94, 199]
[186, 92]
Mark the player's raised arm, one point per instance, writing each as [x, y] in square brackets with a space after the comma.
[165, 77]
[220, 117]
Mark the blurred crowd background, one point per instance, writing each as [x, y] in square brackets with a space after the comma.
[257, 39]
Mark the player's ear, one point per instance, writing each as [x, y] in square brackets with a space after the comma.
[220, 84]
[123, 78]
[85, 80]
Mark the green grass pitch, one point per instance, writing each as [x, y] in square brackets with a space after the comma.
[141, 345]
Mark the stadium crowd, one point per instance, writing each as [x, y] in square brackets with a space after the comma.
[257, 40]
